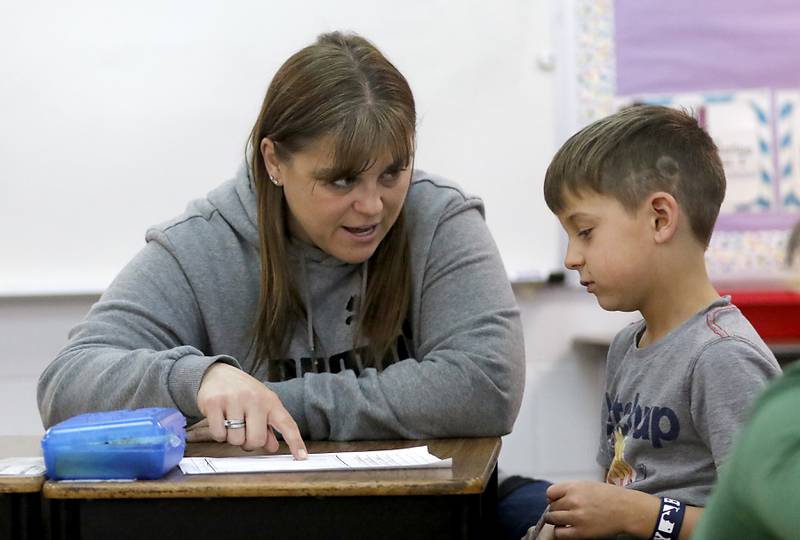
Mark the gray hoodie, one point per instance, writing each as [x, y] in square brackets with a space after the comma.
[190, 298]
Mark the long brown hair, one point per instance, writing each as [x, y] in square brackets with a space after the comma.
[340, 87]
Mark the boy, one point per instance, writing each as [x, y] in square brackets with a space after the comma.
[638, 193]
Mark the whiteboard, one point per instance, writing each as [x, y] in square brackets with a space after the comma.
[117, 114]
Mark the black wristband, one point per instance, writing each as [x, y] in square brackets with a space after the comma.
[669, 520]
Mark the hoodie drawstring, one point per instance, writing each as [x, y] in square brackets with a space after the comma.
[309, 308]
[310, 312]
[363, 296]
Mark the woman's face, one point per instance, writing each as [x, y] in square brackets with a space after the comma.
[345, 217]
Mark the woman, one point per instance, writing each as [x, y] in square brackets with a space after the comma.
[325, 292]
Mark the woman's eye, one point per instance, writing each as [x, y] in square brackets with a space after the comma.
[584, 233]
[390, 177]
[343, 183]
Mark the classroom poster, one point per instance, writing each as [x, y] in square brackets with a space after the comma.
[595, 59]
[738, 72]
[787, 127]
[739, 123]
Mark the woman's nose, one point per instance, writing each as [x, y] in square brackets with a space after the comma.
[368, 199]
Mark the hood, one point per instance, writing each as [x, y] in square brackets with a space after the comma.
[236, 202]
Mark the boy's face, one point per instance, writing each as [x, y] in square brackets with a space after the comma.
[610, 248]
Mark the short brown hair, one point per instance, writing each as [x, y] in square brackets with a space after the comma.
[637, 151]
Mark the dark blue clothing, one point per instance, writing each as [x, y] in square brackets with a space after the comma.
[521, 508]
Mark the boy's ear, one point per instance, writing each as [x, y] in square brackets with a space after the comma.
[664, 212]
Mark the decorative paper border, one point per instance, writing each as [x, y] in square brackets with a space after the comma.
[595, 59]
[787, 126]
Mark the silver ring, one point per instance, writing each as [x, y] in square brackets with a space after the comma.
[234, 424]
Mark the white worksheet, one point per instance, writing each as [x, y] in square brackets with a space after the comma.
[22, 466]
[404, 458]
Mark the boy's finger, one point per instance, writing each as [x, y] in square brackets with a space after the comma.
[556, 491]
[566, 532]
[557, 517]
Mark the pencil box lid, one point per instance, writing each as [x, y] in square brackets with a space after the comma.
[123, 444]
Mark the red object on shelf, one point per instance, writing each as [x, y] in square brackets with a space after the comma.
[775, 314]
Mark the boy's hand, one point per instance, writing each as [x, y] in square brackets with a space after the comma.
[587, 509]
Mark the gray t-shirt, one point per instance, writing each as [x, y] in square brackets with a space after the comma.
[672, 409]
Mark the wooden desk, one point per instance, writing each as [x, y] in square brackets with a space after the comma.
[390, 504]
[20, 507]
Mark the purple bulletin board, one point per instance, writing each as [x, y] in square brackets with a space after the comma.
[698, 45]
[702, 51]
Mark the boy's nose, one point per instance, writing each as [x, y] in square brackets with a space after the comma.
[573, 260]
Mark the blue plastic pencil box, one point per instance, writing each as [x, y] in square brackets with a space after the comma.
[126, 444]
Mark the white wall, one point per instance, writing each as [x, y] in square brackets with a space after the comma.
[32, 330]
[555, 436]
[115, 114]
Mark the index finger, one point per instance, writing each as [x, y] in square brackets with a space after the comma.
[281, 420]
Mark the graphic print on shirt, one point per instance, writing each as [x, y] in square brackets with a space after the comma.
[353, 359]
[620, 473]
[350, 308]
[630, 423]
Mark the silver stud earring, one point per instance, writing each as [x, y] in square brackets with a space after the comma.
[274, 181]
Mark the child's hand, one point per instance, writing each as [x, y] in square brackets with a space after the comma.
[547, 532]
[587, 509]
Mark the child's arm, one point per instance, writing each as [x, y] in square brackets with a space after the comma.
[597, 510]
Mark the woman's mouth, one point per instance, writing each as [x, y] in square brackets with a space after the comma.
[362, 233]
